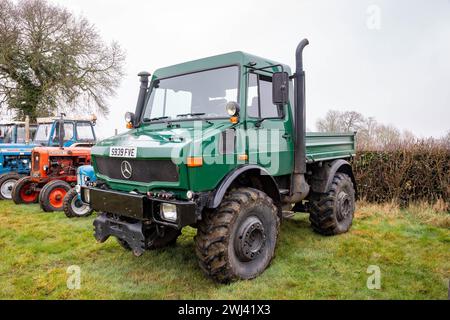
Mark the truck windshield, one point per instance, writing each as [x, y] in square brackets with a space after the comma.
[43, 133]
[201, 94]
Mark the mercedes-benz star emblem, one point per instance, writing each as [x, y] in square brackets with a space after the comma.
[126, 169]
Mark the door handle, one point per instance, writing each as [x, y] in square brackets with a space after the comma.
[286, 136]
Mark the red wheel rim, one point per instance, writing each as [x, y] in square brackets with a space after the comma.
[27, 195]
[56, 197]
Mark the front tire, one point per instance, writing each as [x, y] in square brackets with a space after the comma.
[7, 182]
[52, 195]
[74, 207]
[23, 192]
[238, 240]
[332, 213]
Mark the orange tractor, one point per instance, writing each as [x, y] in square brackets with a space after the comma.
[53, 174]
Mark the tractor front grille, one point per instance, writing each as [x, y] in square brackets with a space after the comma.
[141, 170]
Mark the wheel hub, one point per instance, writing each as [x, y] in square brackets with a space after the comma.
[344, 206]
[250, 239]
[56, 196]
[7, 187]
[79, 207]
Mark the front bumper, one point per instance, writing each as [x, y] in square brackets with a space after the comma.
[139, 207]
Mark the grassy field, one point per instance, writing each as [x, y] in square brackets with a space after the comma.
[411, 247]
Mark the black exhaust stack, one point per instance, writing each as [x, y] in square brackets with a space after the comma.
[299, 186]
[300, 115]
[61, 131]
[144, 77]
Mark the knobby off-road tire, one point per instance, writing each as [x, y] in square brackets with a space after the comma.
[73, 207]
[22, 192]
[332, 213]
[238, 239]
[7, 182]
[52, 195]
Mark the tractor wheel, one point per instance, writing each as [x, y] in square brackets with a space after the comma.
[52, 195]
[238, 239]
[23, 192]
[331, 213]
[74, 207]
[7, 182]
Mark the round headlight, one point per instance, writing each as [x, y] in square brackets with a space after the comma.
[129, 117]
[232, 108]
[189, 194]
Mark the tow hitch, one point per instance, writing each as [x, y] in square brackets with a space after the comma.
[129, 232]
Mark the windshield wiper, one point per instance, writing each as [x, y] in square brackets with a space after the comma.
[155, 119]
[191, 114]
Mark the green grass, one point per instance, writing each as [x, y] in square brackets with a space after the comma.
[36, 249]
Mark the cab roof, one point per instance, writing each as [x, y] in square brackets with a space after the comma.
[238, 58]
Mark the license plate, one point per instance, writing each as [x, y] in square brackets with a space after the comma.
[123, 152]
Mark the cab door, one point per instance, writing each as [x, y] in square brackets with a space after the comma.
[269, 140]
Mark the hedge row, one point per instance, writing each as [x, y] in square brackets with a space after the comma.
[418, 172]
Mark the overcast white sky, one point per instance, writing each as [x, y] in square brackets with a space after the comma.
[389, 59]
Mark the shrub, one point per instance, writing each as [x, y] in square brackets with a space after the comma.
[407, 172]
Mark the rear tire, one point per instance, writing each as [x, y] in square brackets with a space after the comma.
[23, 193]
[238, 239]
[52, 195]
[73, 207]
[332, 213]
[7, 182]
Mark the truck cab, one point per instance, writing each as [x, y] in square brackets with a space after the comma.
[219, 144]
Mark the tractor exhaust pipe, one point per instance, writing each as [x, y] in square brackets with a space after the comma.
[61, 132]
[27, 129]
[144, 77]
[299, 186]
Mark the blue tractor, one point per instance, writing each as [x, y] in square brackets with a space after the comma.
[15, 158]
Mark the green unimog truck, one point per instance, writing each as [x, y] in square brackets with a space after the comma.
[219, 144]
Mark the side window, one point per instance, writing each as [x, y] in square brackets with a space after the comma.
[252, 96]
[268, 109]
[84, 131]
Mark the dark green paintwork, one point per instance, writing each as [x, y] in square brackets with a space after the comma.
[152, 140]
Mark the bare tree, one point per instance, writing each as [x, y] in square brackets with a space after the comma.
[52, 61]
[337, 121]
[331, 122]
[446, 139]
[371, 135]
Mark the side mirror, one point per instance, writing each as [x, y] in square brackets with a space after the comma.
[280, 88]
[130, 120]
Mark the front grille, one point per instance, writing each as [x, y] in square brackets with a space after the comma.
[141, 170]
